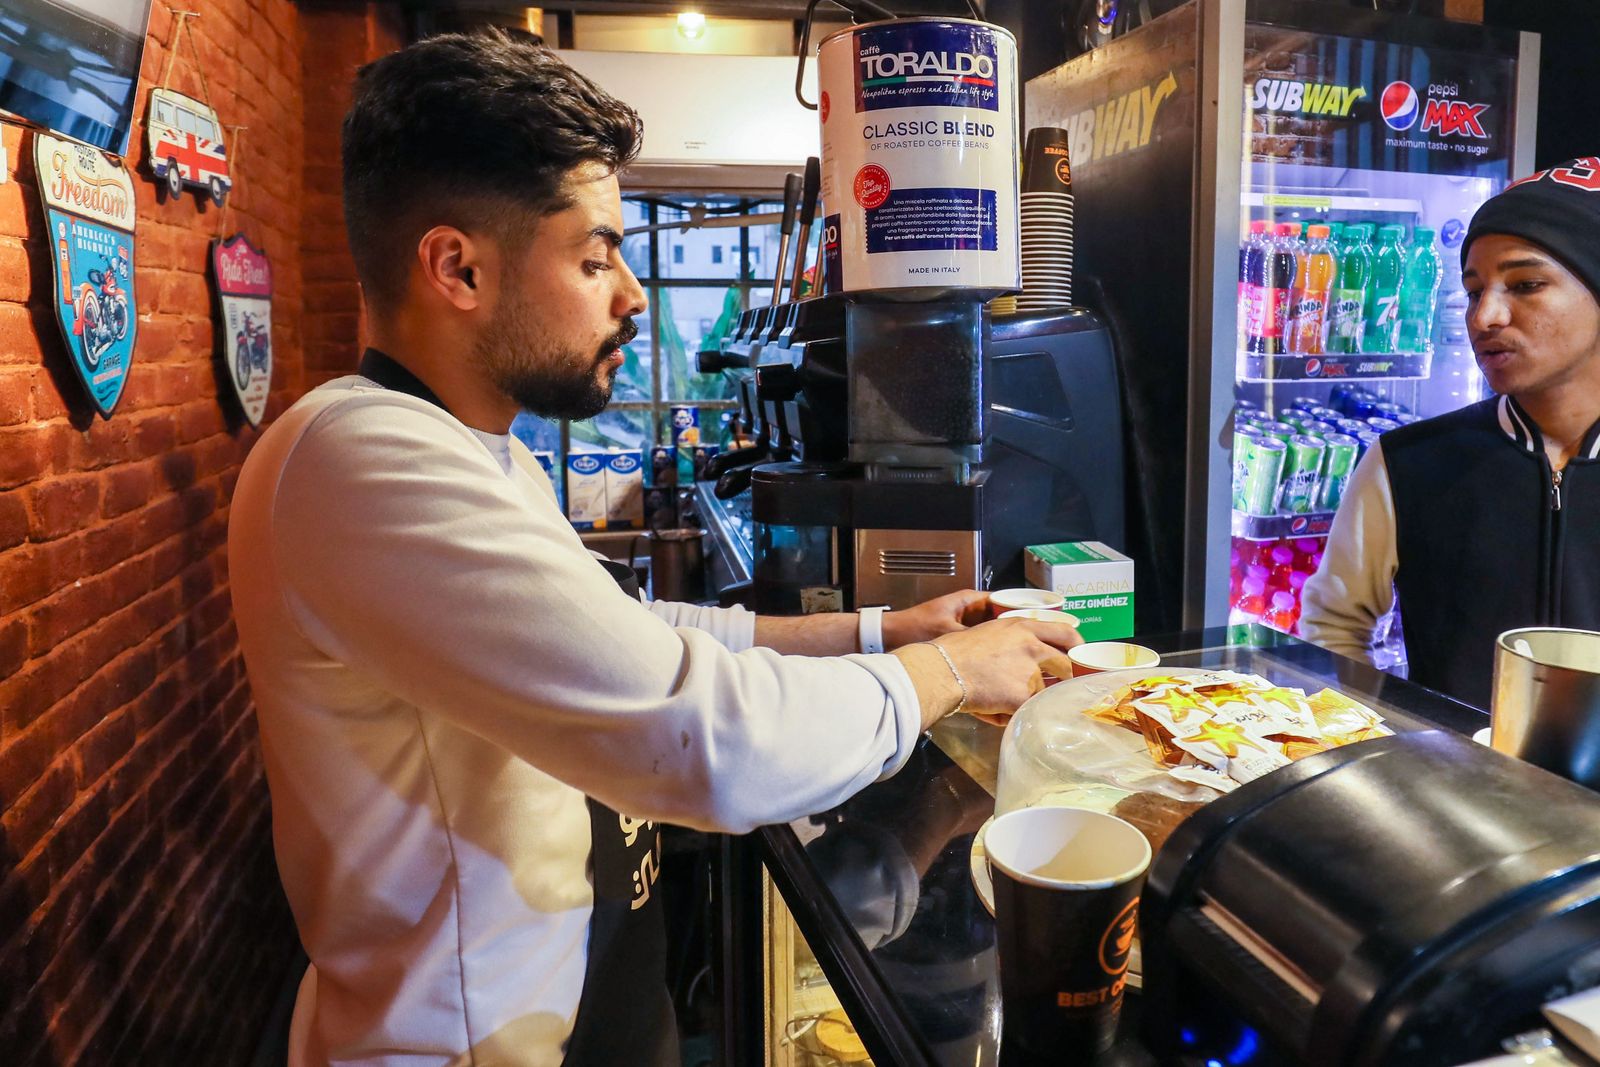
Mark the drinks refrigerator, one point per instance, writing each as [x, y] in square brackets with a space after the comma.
[1226, 112]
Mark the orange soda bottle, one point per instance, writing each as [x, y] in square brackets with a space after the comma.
[1308, 329]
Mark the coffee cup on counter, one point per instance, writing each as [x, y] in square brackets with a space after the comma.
[1066, 907]
[1004, 600]
[1110, 656]
[1044, 615]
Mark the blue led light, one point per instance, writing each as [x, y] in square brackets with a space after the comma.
[1187, 1036]
[1213, 1063]
[1245, 1051]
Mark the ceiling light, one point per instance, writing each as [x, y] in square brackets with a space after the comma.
[691, 25]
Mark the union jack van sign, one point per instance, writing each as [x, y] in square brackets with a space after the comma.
[186, 147]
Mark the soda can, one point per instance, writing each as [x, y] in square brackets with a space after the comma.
[1382, 425]
[1280, 430]
[1367, 438]
[1319, 429]
[1363, 406]
[1388, 409]
[1252, 418]
[703, 455]
[1293, 414]
[1405, 418]
[1338, 463]
[1342, 396]
[1301, 470]
[686, 426]
[1325, 414]
[1258, 463]
[1246, 405]
[1352, 426]
[664, 465]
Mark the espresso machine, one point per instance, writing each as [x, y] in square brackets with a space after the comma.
[904, 450]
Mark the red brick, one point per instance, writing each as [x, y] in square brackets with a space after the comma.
[25, 455]
[62, 505]
[13, 519]
[13, 646]
[124, 489]
[16, 397]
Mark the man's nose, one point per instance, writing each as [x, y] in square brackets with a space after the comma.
[630, 297]
[1492, 310]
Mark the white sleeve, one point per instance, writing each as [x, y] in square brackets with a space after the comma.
[403, 551]
[734, 627]
[1354, 587]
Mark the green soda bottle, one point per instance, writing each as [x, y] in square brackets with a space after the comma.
[1383, 294]
[1346, 315]
[1419, 294]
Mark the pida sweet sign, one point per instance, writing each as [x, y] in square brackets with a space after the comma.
[89, 208]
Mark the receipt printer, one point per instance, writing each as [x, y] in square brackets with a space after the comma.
[1408, 900]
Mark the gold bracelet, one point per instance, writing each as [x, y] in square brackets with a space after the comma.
[962, 682]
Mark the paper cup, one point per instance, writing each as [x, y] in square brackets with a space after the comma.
[1066, 906]
[1110, 656]
[1004, 600]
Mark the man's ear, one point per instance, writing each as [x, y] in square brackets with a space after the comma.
[453, 266]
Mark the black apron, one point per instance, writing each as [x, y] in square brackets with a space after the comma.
[624, 1011]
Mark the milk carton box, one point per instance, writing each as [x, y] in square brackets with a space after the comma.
[586, 490]
[625, 490]
[1097, 582]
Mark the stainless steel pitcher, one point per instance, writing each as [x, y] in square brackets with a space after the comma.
[678, 565]
[1546, 707]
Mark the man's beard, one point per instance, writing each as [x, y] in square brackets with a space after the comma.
[541, 377]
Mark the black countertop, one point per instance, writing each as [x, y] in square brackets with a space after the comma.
[881, 887]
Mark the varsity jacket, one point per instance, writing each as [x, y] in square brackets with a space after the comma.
[1464, 519]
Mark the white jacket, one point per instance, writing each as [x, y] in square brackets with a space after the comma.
[441, 672]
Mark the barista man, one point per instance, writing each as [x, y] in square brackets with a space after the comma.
[1488, 518]
[468, 727]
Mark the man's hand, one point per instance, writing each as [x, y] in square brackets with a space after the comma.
[999, 661]
[934, 618]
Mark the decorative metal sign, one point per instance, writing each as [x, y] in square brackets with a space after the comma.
[89, 208]
[244, 288]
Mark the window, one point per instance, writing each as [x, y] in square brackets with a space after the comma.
[203, 127]
[186, 121]
[163, 113]
[697, 283]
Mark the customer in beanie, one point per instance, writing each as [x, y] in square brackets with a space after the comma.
[1488, 518]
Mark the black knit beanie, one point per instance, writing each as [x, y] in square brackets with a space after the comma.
[1557, 209]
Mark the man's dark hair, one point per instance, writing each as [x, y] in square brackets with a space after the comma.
[476, 131]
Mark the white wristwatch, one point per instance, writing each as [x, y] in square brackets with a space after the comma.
[870, 629]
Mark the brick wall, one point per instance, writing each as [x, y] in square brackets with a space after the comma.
[140, 915]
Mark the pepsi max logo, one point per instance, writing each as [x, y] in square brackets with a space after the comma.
[585, 464]
[1313, 368]
[1299, 525]
[1399, 106]
[624, 463]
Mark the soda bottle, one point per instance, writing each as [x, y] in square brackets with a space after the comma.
[1282, 566]
[1252, 602]
[1350, 291]
[1250, 253]
[1283, 613]
[1418, 294]
[1309, 322]
[1383, 295]
[1336, 240]
[1274, 280]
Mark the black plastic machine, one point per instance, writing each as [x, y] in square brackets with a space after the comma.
[1410, 900]
[903, 450]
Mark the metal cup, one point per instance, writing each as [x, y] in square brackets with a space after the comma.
[1546, 706]
[677, 564]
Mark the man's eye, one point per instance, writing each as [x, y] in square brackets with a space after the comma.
[1473, 294]
[593, 267]
[1532, 285]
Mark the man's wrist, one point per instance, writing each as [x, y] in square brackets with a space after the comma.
[870, 630]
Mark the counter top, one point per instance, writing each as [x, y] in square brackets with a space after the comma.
[880, 887]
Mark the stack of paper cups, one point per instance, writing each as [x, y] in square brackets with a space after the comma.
[1046, 221]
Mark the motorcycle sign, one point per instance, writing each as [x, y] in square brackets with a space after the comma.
[244, 288]
[89, 207]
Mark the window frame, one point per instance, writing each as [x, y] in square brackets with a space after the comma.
[658, 407]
